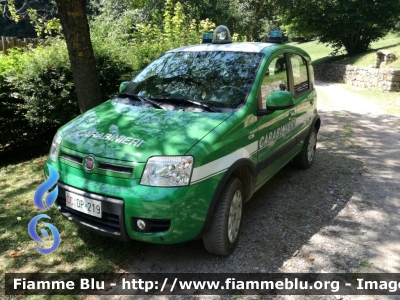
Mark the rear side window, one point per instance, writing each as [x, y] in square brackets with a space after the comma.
[300, 74]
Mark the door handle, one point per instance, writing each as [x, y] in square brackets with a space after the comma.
[312, 101]
[291, 114]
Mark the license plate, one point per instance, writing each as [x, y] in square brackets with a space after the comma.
[83, 204]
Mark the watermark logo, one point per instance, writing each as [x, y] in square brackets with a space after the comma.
[50, 199]
[44, 187]
[32, 232]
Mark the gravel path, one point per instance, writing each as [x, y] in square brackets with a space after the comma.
[360, 146]
[374, 205]
[341, 215]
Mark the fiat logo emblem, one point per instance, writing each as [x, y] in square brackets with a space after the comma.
[89, 163]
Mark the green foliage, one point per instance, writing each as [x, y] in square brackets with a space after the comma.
[113, 67]
[342, 23]
[44, 26]
[245, 18]
[13, 123]
[113, 23]
[152, 39]
[133, 42]
[28, 18]
[37, 94]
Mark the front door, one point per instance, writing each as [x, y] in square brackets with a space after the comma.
[275, 131]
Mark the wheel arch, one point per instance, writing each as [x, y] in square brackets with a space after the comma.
[245, 171]
[317, 122]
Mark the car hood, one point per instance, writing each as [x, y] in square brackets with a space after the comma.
[124, 132]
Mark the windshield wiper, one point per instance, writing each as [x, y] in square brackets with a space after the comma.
[143, 99]
[210, 108]
[204, 105]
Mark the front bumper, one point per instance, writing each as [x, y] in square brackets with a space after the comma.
[111, 224]
[175, 214]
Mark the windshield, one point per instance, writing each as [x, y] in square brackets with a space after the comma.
[220, 79]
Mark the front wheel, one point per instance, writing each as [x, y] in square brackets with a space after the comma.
[222, 236]
[306, 157]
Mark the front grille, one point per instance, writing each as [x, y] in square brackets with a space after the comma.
[71, 158]
[115, 168]
[103, 166]
[112, 221]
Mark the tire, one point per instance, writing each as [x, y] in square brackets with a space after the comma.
[223, 234]
[306, 157]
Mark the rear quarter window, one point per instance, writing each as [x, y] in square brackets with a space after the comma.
[300, 74]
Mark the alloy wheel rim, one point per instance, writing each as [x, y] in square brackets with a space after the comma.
[235, 216]
[311, 146]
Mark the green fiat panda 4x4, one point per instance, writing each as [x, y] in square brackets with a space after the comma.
[177, 152]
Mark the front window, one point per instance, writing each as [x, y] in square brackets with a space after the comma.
[219, 79]
[275, 78]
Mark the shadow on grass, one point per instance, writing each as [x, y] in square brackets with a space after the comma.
[347, 59]
[329, 59]
[388, 46]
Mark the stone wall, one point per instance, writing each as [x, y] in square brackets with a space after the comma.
[365, 77]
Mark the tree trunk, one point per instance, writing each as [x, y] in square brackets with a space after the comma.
[83, 65]
[249, 34]
[255, 19]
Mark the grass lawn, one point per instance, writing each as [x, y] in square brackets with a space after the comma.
[79, 250]
[320, 52]
[390, 102]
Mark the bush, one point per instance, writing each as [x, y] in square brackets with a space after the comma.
[13, 123]
[113, 64]
[37, 93]
[14, 127]
[45, 84]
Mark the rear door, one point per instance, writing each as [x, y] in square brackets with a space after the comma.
[304, 95]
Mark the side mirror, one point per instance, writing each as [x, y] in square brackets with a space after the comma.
[277, 100]
[123, 85]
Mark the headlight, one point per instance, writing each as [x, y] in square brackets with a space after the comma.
[55, 147]
[168, 171]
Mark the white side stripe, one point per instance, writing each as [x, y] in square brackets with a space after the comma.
[221, 164]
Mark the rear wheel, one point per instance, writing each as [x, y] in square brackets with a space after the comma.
[222, 236]
[306, 157]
